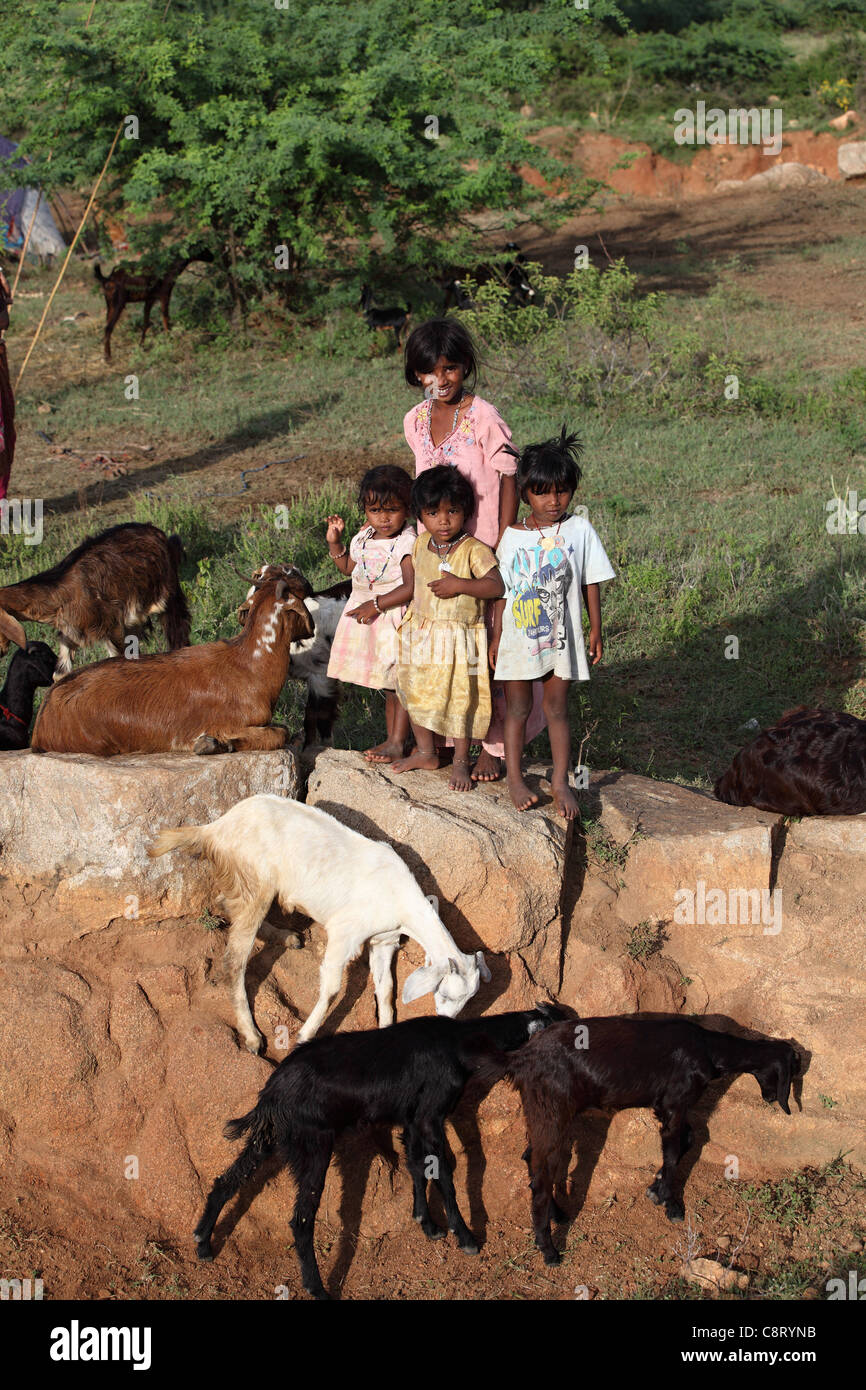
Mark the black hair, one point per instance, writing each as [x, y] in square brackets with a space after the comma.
[382, 483]
[437, 338]
[435, 485]
[553, 464]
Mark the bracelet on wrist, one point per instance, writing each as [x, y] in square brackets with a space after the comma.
[376, 603]
[340, 555]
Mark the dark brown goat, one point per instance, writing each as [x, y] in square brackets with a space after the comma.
[107, 588]
[812, 763]
[620, 1063]
[124, 286]
[209, 699]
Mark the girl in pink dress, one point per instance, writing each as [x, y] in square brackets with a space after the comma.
[379, 559]
[454, 426]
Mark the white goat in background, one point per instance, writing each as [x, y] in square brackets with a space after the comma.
[360, 890]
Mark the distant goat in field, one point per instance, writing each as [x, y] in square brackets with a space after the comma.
[215, 698]
[107, 588]
[812, 763]
[124, 286]
[27, 670]
[620, 1063]
[414, 1075]
[360, 890]
[395, 318]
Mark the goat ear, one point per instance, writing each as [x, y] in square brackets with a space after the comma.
[482, 966]
[424, 980]
[11, 628]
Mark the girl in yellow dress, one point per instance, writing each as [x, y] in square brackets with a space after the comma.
[442, 672]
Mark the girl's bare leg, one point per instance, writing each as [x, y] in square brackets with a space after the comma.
[518, 703]
[556, 711]
[461, 780]
[397, 726]
[424, 756]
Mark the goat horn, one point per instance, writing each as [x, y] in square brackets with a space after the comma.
[247, 578]
[11, 628]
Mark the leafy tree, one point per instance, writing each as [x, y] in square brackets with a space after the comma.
[342, 132]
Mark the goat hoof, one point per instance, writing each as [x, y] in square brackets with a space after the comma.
[652, 1193]
[552, 1257]
[469, 1247]
[204, 1252]
[255, 1045]
[675, 1212]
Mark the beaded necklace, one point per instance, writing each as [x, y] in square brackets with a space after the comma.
[362, 564]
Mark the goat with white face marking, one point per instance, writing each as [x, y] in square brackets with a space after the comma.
[358, 889]
[215, 698]
[310, 655]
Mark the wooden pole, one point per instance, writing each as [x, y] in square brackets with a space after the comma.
[69, 254]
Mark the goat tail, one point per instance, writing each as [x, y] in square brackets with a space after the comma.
[176, 549]
[97, 270]
[258, 1124]
[184, 837]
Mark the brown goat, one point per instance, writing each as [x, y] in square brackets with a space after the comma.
[107, 588]
[214, 698]
[123, 286]
[812, 763]
[619, 1063]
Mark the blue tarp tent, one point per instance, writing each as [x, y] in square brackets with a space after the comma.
[17, 205]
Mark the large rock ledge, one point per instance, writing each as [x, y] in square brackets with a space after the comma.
[74, 831]
[116, 1042]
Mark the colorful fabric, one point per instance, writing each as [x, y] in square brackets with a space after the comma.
[7, 422]
[542, 623]
[477, 448]
[367, 655]
[442, 677]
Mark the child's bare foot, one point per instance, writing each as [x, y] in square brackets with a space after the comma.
[460, 778]
[417, 761]
[522, 797]
[563, 800]
[386, 752]
[487, 768]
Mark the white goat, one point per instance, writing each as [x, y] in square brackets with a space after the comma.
[269, 847]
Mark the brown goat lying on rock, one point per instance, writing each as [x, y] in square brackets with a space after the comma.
[812, 763]
[620, 1063]
[209, 699]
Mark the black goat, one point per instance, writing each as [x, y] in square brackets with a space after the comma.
[28, 668]
[412, 1074]
[812, 763]
[395, 318]
[512, 273]
[619, 1063]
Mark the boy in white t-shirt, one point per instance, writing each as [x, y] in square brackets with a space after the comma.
[546, 561]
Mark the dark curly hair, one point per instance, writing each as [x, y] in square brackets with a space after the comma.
[435, 485]
[552, 464]
[382, 483]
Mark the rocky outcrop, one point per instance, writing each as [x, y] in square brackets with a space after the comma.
[778, 176]
[74, 832]
[852, 159]
[121, 1064]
